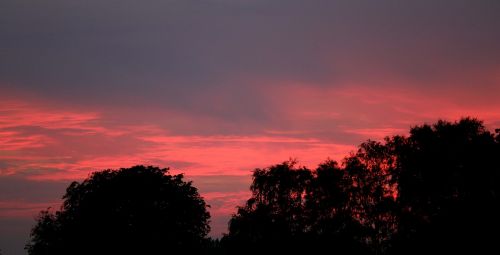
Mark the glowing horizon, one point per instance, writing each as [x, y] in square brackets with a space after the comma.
[43, 143]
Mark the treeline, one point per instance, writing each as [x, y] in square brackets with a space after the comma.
[436, 190]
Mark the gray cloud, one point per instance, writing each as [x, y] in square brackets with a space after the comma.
[128, 51]
[14, 235]
[222, 183]
[20, 202]
[17, 188]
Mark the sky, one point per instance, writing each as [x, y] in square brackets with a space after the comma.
[216, 88]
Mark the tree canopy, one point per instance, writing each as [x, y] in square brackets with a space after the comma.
[448, 178]
[138, 210]
[437, 189]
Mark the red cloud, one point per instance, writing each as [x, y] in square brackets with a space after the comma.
[14, 141]
[310, 123]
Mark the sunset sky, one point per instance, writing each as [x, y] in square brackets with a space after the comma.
[216, 88]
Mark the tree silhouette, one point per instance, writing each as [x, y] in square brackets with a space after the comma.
[436, 190]
[334, 224]
[274, 216]
[449, 189]
[138, 210]
[294, 210]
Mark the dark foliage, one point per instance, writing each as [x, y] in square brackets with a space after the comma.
[434, 191]
[296, 210]
[449, 189]
[274, 216]
[138, 210]
[437, 190]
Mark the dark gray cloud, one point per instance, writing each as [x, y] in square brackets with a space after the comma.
[104, 52]
[17, 188]
[221, 183]
[14, 235]
[20, 202]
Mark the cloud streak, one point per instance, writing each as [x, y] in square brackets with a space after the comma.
[40, 143]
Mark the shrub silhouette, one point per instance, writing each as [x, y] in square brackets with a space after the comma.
[138, 210]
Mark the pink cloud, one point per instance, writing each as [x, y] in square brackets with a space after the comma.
[46, 143]
[322, 122]
[13, 141]
[17, 113]
[375, 111]
[311, 123]
[239, 155]
[376, 133]
[222, 205]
